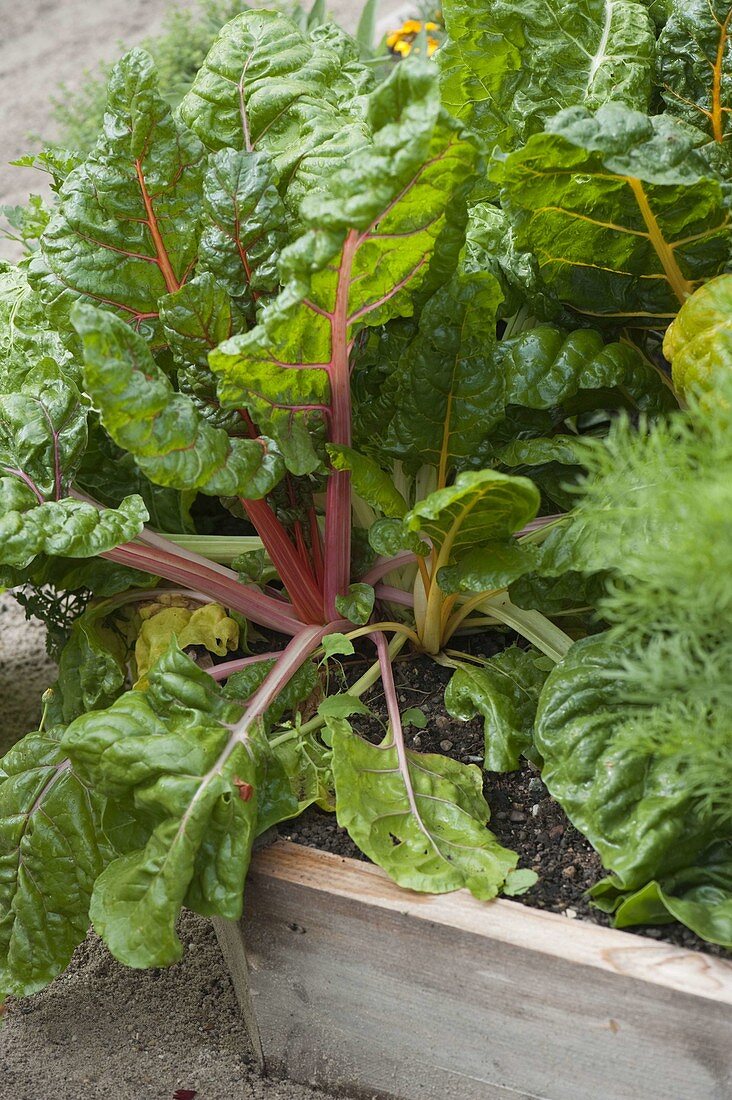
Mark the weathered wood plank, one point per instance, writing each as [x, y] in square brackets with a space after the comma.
[364, 988]
[231, 942]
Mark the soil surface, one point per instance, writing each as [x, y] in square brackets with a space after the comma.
[524, 816]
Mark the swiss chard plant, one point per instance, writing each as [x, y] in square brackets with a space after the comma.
[283, 369]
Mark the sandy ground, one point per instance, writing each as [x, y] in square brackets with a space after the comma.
[102, 1030]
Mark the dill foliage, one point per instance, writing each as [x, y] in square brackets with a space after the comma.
[656, 510]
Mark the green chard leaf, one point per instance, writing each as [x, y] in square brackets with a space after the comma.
[244, 224]
[505, 691]
[694, 64]
[43, 432]
[459, 397]
[544, 368]
[490, 567]
[125, 231]
[480, 508]
[382, 230]
[357, 604]
[622, 212]
[268, 87]
[634, 776]
[47, 814]
[196, 319]
[699, 342]
[389, 536]
[509, 65]
[64, 528]
[109, 474]
[420, 816]
[307, 764]
[444, 389]
[92, 666]
[173, 444]
[242, 685]
[26, 338]
[170, 752]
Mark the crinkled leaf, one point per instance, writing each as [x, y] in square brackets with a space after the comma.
[125, 231]
[509, 65]
[387, 216]
[307, 763]
[242, 685]
[244, 223]
[622, 212]
[195, 320]
[26, 338]
[357, 604]
[51, 852]
[109, 474]
[391, 536]
[43, 431]
[505, 691]
[695, 65]
[98, 576]
[205, 625]
[266, 86]
[423, 820]
[92, 667]
[65, 528]
[444, 389]
[552, 594]
[633, 796]
[171, 750]
[172, 443]
[545, 368]
[454, 411]
[379, 351]
[493, 565]
[478, 508]
[490, 246]
[699, 342]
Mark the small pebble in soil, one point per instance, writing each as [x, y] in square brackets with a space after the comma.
[445, 745]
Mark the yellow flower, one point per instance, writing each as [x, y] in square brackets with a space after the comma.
[401, 41]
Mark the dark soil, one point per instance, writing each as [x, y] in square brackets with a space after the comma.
[524, 816]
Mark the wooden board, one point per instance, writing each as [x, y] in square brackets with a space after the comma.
[369, 990]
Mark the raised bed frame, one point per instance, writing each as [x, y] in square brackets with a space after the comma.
[365, 989]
